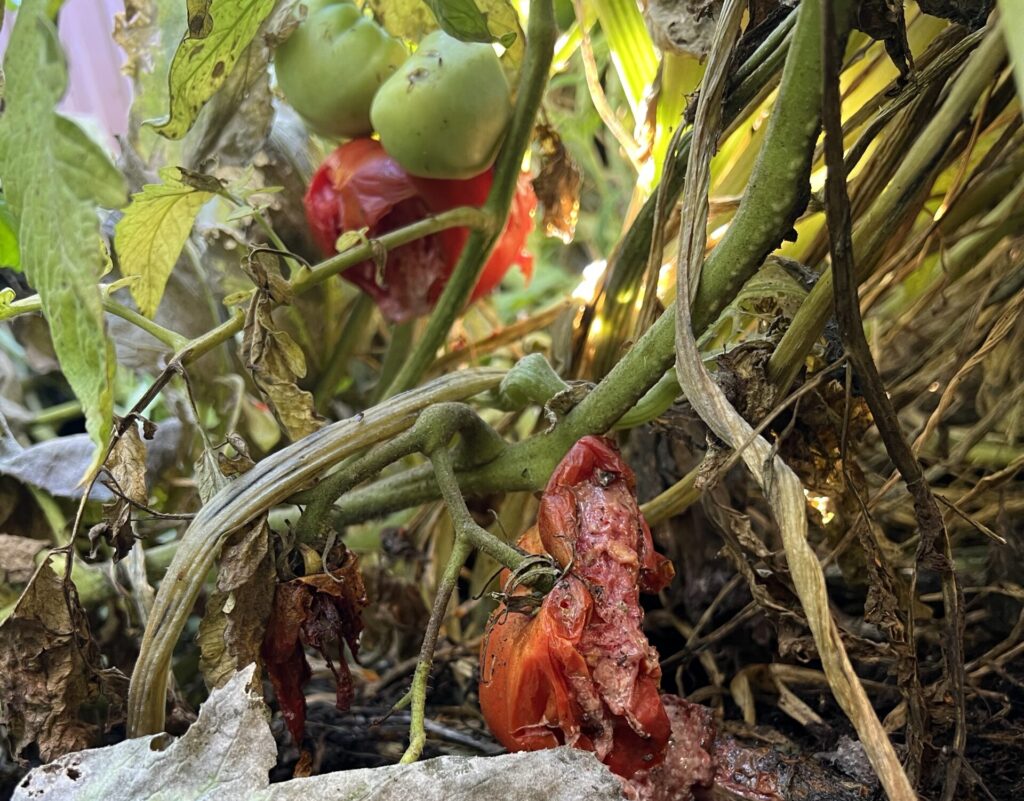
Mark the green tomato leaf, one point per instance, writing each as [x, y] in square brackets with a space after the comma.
[150, 236]
[465, 20]
[86, 168]
[9, 256]
[219, 31]
[58, 228]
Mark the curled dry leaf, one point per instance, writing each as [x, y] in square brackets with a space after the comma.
[48, 670]
[316, 611]
[233, 628]
[273, 357]
[686, 27]
[126, 467]
[557, 185]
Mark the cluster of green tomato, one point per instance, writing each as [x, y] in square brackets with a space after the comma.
[440, 112]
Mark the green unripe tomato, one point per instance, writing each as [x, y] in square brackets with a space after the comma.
[333, 64]
[443, 113]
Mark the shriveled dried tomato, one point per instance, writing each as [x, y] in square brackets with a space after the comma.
[360, 186]
[313, 611]
[580, 670]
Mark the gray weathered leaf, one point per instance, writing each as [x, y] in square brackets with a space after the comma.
[56, 465]
[229, 751]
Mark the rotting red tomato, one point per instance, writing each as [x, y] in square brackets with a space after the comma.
[359, 186]
[580, 670]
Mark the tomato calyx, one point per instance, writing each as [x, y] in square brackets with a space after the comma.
[360, 187]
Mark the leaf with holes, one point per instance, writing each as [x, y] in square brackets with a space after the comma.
[218, 33]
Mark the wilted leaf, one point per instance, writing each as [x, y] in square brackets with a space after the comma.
[557, 185]
[58, 230]
[219, 31]
[18, 558]
[235, 123]
[47, 672]
[884, 20]
[273, 357]
[150, 236]
[127, 467]
[149, 31]
[232, 630]
[315, 611]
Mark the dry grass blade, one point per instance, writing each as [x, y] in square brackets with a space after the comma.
[780, 484]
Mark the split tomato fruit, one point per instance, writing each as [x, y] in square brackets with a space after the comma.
[359, 186]
[579, 671]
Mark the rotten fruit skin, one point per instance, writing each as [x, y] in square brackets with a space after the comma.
[580, 670]
[359, 186]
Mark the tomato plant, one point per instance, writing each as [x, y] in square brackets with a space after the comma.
[332, 65]
[360, 186]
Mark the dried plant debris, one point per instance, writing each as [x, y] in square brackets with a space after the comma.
[319, 611]
[50, 670]
[557, 185]
[237, 612]
[228, 752]
[683, 26]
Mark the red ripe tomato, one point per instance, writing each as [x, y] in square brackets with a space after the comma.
[580, 670]
[360, 186]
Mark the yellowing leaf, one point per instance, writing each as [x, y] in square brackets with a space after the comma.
[57, 224]
[219, 31]
[150, 236]
[408, 19]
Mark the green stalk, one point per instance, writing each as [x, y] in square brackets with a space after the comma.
[540, 40]
[777, 188]
[876, 226]
[272, 481]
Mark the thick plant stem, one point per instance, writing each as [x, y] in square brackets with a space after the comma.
[780, 181]
[540, 41]
[272, 481]
[876, 225]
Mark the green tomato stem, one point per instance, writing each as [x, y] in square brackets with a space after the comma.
[540, 41]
